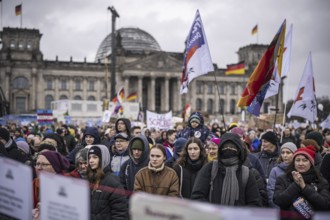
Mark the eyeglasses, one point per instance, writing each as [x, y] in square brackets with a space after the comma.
[42, 165]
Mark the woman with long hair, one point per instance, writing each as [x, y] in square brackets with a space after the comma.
[287, 151]
[157, 178]
[108, 200]
[302, 188]
[191, 160]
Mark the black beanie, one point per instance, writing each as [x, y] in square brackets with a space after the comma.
[95, 150]
[4, 134]
[316, 136]
[270, 137]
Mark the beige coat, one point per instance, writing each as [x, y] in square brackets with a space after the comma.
[161, 181]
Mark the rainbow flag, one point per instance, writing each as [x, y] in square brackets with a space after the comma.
[263, 72]
[235, 69]
[18, 10]
[131, 97]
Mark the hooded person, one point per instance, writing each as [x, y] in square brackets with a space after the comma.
[12, 151]
[139, 149]
[232, 183]
[80, 165]
[91, 136]
[195, 128]
[107, 198]
[179, 145]
[122, 125]
[59, 142]
[302, 189]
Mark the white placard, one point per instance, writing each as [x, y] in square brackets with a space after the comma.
[63, 197]
[106, 116]
[159, 121]
[151, 207]
[15, 189]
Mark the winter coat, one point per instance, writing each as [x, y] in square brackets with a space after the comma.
[13, 152]
[108, 201]
[130, 167]
[201, 130]
[325, 167]
[247, 197]
[187, 175]
[316, 193]
[274, 173]
[268, 161]
[161, 181]
[118, 160]
[256, 164]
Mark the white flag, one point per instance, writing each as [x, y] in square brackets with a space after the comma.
[197, 58]
[304, 104]
[275, 82]
[326, 123]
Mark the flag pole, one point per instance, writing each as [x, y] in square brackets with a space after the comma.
[284, 115]
[22, 15]
[223, 117]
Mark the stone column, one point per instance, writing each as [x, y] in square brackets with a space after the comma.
[139, 92]
[126, 87]
[227, 99]
[151, 95]
[56, 86]
[34, 90]
[205, 99]
[84, 87]
[40, 96]
[165, 103]
[178, 98]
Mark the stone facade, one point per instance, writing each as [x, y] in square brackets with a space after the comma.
[29, 82]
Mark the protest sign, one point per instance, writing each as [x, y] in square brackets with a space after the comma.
[67, 199]
[159, 121]
[15, 197]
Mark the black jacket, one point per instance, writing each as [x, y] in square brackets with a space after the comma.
[13, 152]
[287, 191]
[187, 177]
[109, 200]
[247, 197]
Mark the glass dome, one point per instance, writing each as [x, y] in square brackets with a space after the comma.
[132, 39]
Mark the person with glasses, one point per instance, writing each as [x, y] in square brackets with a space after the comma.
[51, 162]
[120, 152]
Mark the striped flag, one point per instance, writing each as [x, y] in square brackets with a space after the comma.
[131, 97]
[254, 30]
[235, 69]
[18, 10]
[197, 58]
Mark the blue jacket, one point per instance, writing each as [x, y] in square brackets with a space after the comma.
[274, 173]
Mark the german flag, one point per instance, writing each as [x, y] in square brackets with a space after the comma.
[235, 69]
[254, 30]
[18, 10]
[131, 97]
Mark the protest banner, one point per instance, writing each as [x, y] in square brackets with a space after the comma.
[68, 198]
[159, 121]
[15, 197]
[151, 207]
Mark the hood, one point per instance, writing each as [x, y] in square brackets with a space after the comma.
[127, 124]
[93, 132]
[145, 153]
[105, 155]
[235, 139]
[198, 115]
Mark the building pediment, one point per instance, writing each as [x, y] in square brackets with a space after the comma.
[155, 61]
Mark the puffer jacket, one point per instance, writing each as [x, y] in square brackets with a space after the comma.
[161, 181]
[201, 132]
[129, 169]
[108, 201]
[274, 173]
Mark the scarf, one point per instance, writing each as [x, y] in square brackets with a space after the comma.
[194, 165]
[230, 187]
[309, 176]
[156, 170]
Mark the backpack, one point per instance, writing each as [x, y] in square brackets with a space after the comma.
[214, 171]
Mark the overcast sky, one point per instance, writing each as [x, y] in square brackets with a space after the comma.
[77, 27]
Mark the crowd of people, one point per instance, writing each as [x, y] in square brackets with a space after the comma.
[232, 166]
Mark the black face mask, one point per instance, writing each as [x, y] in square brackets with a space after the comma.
[228, 153]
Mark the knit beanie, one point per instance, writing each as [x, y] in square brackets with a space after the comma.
[23, 146]
[270, 137]
[137, 144]
[4, 134]
[58, 162]
[195, 118]
[308, 152]
[289, 145]
[307, 142]
[95, 150]
[239, 131]
[316, 136]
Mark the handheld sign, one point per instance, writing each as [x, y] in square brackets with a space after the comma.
[15, 189]
[63, 197]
